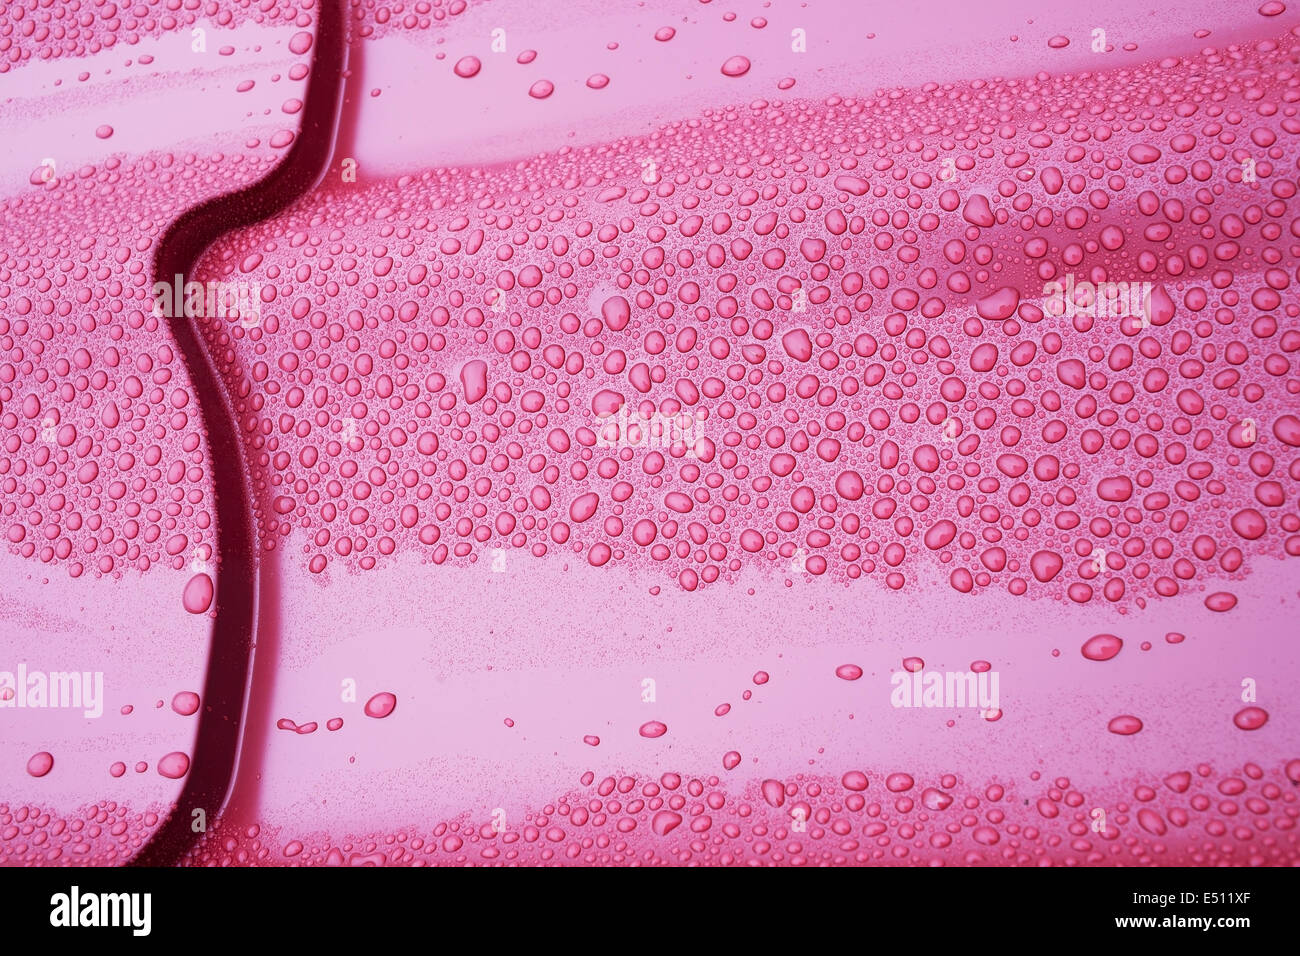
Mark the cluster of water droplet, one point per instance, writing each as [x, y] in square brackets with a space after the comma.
[856, 330]
[1204, 818]
[32, 30]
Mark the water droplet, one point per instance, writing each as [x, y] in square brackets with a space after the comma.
[174, 765]
[736, 66]
[40, 764]
[1102, 647]
[653, 728]
[1124, 725]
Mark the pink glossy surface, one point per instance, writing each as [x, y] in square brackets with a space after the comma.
[477, 613]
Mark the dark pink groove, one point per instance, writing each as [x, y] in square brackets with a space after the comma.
[234, 629]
